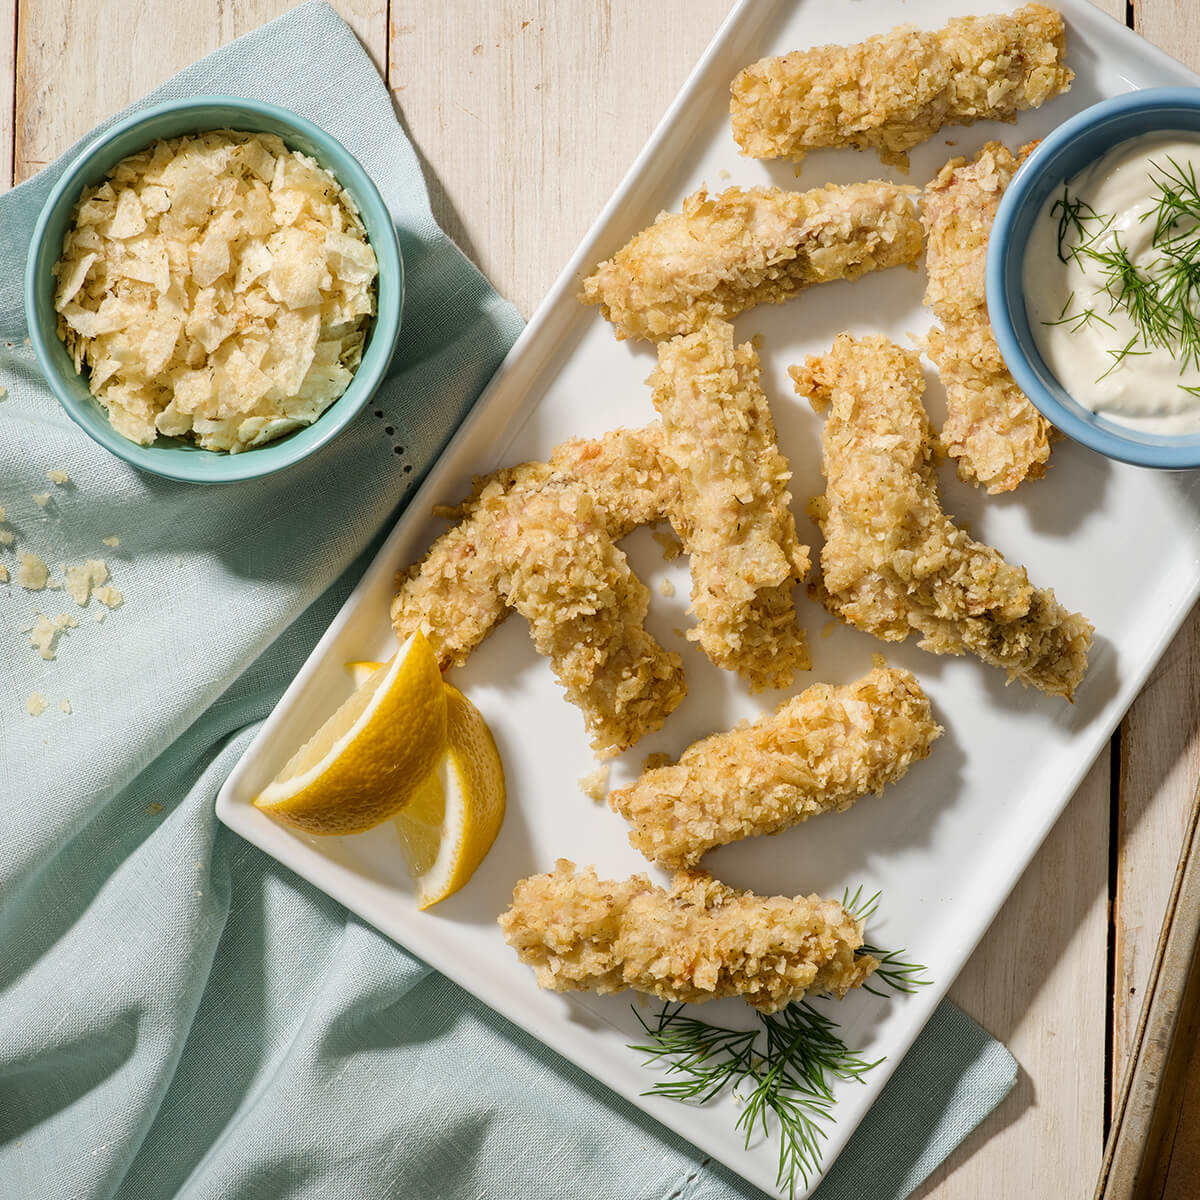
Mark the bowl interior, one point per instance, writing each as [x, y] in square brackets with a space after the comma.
[173, 457]
[1074, 146]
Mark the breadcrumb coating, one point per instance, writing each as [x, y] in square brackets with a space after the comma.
[893, 561]
[997, 437]
[453, 593]
[895, 90]
[698, 941]
[819, 752]
[724, 254]
[737, 522]
[560, 569]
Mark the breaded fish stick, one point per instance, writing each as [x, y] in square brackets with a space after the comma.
[724, 254]
[893, 561]
[996, 435]
[453, 593]
[560, 569]
[893, 91]
[819, 752]
[737, 519]
[699, 941]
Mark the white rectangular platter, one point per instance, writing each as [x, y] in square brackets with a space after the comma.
[945, 846]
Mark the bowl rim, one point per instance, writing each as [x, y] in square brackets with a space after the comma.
[1167, 452]
[178, 463]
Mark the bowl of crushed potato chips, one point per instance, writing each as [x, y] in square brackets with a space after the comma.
[214, 289]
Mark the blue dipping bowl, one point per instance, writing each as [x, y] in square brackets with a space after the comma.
[173, 457]
[1074, 145]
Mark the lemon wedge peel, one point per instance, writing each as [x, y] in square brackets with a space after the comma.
[455, 814]
[365, 762]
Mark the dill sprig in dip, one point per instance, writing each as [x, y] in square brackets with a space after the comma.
[1112, 284]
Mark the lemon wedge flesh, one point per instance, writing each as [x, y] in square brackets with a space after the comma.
[368, 759]
[453, 818]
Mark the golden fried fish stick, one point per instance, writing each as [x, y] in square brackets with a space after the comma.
[819, 752]
[453, 593]
[560, 569]
[698, 941]
[894, 91]
[737, 522]
[724, 254]
[997, 437]
[628, 472]
[893, 561]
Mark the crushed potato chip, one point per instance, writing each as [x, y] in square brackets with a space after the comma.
[64, 705]
[43, 637]
[594, 784]
[80, 580]
[32, 573]
[3, 573]
[59, 477]
[41, 499]
[36, 704]
[217, 287]
[110, 597]
[111, 541]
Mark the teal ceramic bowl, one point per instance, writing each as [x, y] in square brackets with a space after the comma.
[172, 457]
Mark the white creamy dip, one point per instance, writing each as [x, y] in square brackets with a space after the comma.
[1113, 321]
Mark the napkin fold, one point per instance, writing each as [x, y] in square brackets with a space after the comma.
[179, 1014]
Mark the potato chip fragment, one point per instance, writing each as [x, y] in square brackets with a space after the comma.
[32, 573]
[217, 287]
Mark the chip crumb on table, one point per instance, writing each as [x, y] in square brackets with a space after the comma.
[32, 572]
[111, 541]
[45, 632]
[36, 704]
[666, 588]
[41, 499]
[59, 477]
[64, 705]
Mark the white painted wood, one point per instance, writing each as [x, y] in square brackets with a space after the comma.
[1160, 770]
[81, 61]
[8, 69]
[1038, 982]
[530, 114]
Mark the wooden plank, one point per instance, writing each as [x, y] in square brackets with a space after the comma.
[537, 108]
[1172, 24]
[1160, 767]
[1160, 739]
[1038, 982]
[112, 53]
[8, 71]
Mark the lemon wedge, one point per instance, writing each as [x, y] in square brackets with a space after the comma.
[365, 763]
[453, 818]
[361, 670]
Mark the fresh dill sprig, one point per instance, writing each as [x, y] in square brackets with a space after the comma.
[893, 971]
[1076, 321]
[1161, 296]
[1177, 202]
[1119, 356]
[1075, 215]
[782, 1069]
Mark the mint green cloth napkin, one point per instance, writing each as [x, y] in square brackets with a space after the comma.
[179, 1015]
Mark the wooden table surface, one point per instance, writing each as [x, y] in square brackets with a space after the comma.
[526, 114]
